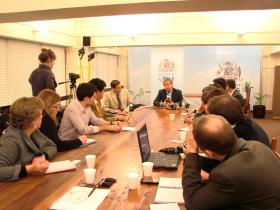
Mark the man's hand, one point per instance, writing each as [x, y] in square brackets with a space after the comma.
[164, 104]
[83, 139]
[38, 167]
[204, 176]
[188, 119]
[115, 128]
[120, 117]
[191, 146]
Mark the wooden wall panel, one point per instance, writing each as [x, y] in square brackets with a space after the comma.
[276, 94]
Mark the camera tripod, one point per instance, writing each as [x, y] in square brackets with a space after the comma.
[73, 89]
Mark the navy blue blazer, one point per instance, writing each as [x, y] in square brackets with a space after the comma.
[176, 97]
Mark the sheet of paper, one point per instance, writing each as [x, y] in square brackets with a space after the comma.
[128, 128]
[177, 141]
[77, 199]
[184, 129]
[167, 206]
[58, 166]
[76, 162]
[89, 141]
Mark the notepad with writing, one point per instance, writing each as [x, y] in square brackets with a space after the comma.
[169, 191]
[59, 166]
[77, 199]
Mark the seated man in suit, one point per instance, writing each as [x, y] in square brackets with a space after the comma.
[168, 95]
[232, 184]
[96, 106]
[117, 99]
[231, 90]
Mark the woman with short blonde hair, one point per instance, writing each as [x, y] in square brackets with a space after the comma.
[49, 122]
[24, 111]
[24, 149]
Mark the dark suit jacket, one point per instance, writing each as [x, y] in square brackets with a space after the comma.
[250, 130]
[176, 97]
[236, 94]
[248, 179]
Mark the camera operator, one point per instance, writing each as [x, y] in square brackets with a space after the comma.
[43, 77]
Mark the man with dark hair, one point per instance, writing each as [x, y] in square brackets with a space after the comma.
[117, 100]
[207, 93]
[228, 107]
[168, 95]
[96, 106]
[221, 82]
[231, 90]
[78, 115]
[232, 184]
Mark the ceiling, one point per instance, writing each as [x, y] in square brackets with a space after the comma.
[33, 10]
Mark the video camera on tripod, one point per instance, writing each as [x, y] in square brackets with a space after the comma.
[73, 88]
[73, 79]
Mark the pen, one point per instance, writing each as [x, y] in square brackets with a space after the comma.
[96, 186]
[92, 190]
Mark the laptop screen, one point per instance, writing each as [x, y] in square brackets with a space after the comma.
[144, 144]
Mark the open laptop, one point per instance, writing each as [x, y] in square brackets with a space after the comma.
[160, 160]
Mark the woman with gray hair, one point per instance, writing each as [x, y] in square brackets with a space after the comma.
[24, 149]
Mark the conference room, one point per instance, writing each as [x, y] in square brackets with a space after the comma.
[147, 47]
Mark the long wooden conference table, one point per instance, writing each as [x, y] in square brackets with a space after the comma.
[117, 154]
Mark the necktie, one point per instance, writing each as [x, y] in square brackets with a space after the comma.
[98, 105]
[119, 102]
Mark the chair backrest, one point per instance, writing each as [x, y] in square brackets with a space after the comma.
[274, 146]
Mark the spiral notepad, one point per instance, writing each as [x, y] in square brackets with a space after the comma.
[169, 191]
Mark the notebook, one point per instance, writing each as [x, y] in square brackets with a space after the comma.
[89, 141]
[59, 166]
[160, 159]
[77, 199]
[165, 206]
[169, 191]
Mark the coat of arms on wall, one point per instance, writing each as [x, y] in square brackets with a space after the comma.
[229, 70]
[166, 69]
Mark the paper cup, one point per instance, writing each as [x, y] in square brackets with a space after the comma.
[133, 180]
[90, 159]
[183, 135]
[147, 168]
[89, 175]
[172, 117]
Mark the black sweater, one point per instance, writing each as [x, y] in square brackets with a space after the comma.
[42, 78]
[49, 129]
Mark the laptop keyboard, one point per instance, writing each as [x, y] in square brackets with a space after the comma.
[161, 159]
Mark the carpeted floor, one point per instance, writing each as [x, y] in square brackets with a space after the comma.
[271, 127]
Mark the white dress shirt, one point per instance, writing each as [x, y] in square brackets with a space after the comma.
[75, 121]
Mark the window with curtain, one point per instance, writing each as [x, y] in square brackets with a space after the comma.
[106, 67]
[17, 60]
